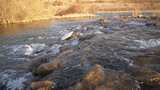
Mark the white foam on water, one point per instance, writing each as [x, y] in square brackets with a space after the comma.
[22, 49]
[63, 32]
[16, 84]
[148, 43]
[41, 37]
[11, 80]
[52, 37]
[98, 32]
[74, 42]
[38, 46]
[27, 49]
[55, 49]
[144, 44]
[31, 38]
[136, 23]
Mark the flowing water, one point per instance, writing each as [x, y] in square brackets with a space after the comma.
[20, 43]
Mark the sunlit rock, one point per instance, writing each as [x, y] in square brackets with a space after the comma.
[95, 76]
[42, 85]
[67, 36]
[47, 68]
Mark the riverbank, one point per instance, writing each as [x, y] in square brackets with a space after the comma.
[17, 11]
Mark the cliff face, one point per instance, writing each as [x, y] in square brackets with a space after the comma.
[14, 11]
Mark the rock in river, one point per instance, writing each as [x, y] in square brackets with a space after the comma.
[97, 78]
[46, 68]
[67, 36]
[42, 85]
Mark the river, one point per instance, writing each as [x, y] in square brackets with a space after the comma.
[20, 43]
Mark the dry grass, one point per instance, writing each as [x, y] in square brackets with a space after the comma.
[14, 11]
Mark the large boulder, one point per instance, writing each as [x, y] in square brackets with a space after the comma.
[97, 78]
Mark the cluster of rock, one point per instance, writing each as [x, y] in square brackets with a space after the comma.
[104, 60]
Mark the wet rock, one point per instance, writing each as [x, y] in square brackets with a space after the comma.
[150, 24]
[69, 73]
[47, 68]
[107, 30]
[66, 77]
[67, 36]
[97, 78]
[146, 76]
[103, 22]
[158, 24]
[86, 36]
[58, 62]
[42, 85]
[71, 35]
[149, 60]
[36, 62]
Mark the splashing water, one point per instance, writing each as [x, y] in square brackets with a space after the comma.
[145, 44]
[10, 81]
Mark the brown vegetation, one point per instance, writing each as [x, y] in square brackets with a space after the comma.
[14, 11]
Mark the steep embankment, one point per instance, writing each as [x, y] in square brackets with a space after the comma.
[14, 11]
